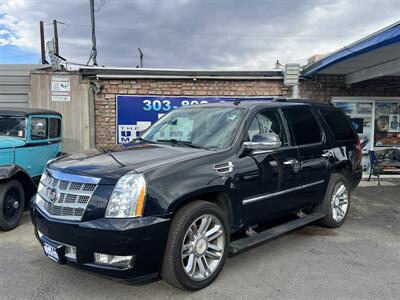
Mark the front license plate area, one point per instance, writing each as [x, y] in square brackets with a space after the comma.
[51, 252]
[54, 252]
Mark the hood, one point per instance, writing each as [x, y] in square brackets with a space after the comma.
[111, 165]
[10, 142]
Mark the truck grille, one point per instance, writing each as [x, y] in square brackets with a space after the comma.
[65, 196]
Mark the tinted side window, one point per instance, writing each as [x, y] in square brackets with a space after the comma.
[38, 129]
[338, 123]
[304, 125]
[55, 128]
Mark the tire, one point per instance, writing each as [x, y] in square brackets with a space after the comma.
[182, 233]
[336, 204]
[12, 201]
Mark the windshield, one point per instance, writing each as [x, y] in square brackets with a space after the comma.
[12, 126]
[203, 127]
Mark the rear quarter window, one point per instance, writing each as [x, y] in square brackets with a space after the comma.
[55, 128]
[338, 123]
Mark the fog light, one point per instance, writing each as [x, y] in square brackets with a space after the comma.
[70, 252]
[121, 262]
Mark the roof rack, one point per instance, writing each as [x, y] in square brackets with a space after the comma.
[300, 100]
[279, 99]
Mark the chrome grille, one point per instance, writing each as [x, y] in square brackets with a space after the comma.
[65, 196]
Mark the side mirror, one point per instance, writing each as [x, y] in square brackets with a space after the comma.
[263, 141]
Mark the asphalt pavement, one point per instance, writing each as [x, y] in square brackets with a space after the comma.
[360, 260]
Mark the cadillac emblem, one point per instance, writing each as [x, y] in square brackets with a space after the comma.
[53, 195]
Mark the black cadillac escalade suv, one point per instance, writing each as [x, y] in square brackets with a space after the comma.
[203, 182]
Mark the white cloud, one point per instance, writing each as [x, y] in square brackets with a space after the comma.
[21, 33]
[4, 32]
[228, 34]
[4, 42]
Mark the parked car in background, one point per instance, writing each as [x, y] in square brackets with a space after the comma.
[201, 182]
[28, 139]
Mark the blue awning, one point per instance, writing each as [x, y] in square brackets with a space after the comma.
[384, 38]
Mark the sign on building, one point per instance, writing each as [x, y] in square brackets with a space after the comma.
[136, 113]
[60, 88]
[291, 74]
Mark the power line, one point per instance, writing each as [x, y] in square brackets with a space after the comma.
[65, 28]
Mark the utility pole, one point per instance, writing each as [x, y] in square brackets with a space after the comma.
[141, 57]
[56, 49]
[94, 48]
[42, 47]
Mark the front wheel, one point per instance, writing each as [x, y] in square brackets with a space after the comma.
[336, 202]
[12, 202]
[197, 246]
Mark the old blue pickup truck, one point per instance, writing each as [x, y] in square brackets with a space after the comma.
[29, 138]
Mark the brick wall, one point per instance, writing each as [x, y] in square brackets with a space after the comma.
[324, 87]
[105, 100]
[321, 88]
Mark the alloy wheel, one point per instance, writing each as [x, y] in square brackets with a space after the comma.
[340, 201]
[203, 247]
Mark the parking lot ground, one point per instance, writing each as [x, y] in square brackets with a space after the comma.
[360, 260]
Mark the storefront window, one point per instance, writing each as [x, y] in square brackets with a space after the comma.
[376, 121]
[387, 124]
[360, 114]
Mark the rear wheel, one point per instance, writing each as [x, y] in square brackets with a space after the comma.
[12, 202]
[197, 246]
[336, 202]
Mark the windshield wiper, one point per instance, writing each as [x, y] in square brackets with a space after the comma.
[185, 143]
[144, 140]
[115, 159]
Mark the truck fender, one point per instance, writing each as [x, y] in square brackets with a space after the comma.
[227, 190]
[17, 173]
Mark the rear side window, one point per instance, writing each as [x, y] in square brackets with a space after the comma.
[55, 128]
[338, 123]
[305, 127]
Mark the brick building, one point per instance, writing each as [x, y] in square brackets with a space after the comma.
[173, 83]
[217, 84]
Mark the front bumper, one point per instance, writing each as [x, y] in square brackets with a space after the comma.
[144, 238]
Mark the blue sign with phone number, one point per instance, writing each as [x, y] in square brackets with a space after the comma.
[137, 113]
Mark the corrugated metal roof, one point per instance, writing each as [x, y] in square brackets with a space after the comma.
[15, 83]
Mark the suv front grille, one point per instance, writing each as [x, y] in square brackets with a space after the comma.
[65, 196]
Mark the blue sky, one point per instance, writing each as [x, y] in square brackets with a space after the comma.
[14, 55]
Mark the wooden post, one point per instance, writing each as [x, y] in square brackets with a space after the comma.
[56, 49]
[42, 47]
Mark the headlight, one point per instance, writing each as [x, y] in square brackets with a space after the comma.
[41, 188]
[127, 198]
[43, 178]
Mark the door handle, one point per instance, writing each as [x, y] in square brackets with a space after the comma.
[327, 154]
[290, 162]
